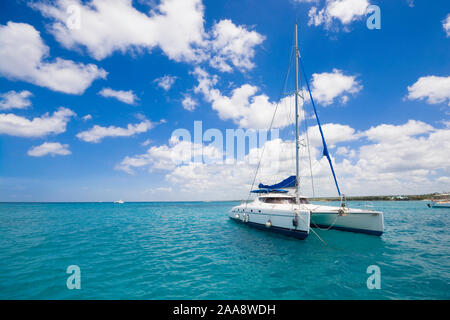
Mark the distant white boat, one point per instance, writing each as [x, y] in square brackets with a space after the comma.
[288, 212]
[440, 204]
[119, 201]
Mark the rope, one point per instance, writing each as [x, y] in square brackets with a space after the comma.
[312, 229]
[326, 229]
[318, 237]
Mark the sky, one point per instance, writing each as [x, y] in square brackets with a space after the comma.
[94, 94]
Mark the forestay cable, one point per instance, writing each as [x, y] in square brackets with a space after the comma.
[325, 149]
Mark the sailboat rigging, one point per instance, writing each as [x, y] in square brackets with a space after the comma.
[277, 209]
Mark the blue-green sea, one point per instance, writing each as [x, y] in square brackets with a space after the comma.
[191, 250]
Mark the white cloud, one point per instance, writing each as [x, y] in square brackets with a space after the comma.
[87, 117]
[166, 82]
[121, 95]
[207, 180]
[446, 25]
[232, 180]
[431, 88]
[189, 103]
[328, 86]
[384, 164]
[234, 44]
[15, 100]
[244, 106]
[52, 148]
[406, 153]
[334, 133]
[97, 133]
[159, 190]
[23, 55]
[388, 132]
[177, 157]
[344, 11]
[346, 152]
[174, 26]
[167, 157]
[14, 125]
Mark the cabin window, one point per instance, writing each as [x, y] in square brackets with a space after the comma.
[278, 200]
[282, 200]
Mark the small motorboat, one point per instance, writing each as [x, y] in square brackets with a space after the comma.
[440, 201]
[440, 204]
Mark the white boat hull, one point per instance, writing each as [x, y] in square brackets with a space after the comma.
[287, 220]
[353, 220]
[439, 205]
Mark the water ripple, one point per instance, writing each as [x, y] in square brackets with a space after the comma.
[193, 251]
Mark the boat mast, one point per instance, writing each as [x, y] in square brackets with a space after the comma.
[297, 136]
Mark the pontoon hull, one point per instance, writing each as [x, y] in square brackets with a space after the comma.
[298, 234]
[361, 222]
[281, 222]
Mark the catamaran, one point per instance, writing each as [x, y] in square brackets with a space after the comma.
[281, 207]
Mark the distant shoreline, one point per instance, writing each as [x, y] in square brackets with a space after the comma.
[379, 198]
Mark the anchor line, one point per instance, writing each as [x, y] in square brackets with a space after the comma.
[326, 229]
[313, 230]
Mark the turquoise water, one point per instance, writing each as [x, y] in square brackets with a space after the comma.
[193, 251]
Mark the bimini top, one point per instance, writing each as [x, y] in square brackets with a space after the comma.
[286, 183]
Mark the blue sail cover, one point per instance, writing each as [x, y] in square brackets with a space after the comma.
[286, 183]
[269, 191]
